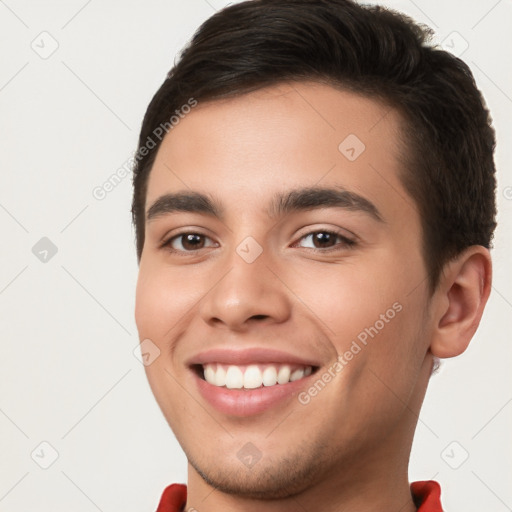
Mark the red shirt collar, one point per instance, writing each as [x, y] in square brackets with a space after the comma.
[426, 495]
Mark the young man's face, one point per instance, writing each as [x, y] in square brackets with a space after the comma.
[260, 277]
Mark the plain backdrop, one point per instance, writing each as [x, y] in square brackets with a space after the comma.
[79, 427]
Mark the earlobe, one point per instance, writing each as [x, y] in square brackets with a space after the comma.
[462, 293]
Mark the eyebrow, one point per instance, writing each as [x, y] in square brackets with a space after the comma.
[301, 199]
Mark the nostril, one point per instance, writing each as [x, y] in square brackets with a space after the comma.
[259, 317]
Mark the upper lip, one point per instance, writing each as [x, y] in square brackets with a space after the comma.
[248, 356]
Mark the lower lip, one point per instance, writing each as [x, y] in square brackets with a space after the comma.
[248, 402]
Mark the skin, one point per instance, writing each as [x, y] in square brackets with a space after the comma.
[348, 448]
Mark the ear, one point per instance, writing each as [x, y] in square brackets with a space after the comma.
[460, 298]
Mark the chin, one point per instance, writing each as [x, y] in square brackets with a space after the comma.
[268, 478]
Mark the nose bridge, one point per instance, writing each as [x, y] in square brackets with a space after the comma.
[248, 288]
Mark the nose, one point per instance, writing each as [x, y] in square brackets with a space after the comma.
[246, 293]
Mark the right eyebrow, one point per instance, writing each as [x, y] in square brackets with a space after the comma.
[310, 198]
[184, 202]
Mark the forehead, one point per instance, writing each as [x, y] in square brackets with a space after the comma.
[248, 148]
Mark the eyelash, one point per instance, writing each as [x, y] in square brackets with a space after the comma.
[346, 242]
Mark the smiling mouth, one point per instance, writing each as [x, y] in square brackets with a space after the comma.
[252, 376]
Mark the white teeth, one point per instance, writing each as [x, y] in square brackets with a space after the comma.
[283, 376]
[209, 373]
[234, 378]
[220, 377]
[252, 376]
[297, 374]
[269, 376]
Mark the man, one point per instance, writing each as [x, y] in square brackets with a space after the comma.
[314, 207]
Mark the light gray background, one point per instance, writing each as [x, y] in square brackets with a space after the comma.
[69, 376]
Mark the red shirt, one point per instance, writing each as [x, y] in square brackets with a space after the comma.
[426, 496]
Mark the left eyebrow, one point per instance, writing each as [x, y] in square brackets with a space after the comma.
[194, 202]
[311, 198]
[301, 199]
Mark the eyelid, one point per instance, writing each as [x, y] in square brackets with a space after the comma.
[342, 232]
[187, 230]
[347, 242]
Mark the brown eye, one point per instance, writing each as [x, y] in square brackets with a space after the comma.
[323, 239]
[326, 240]
[187, 242]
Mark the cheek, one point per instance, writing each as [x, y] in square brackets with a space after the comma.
[148, 306]
[365, 307]
[159, 307]
[162, 299]
[346, 297]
